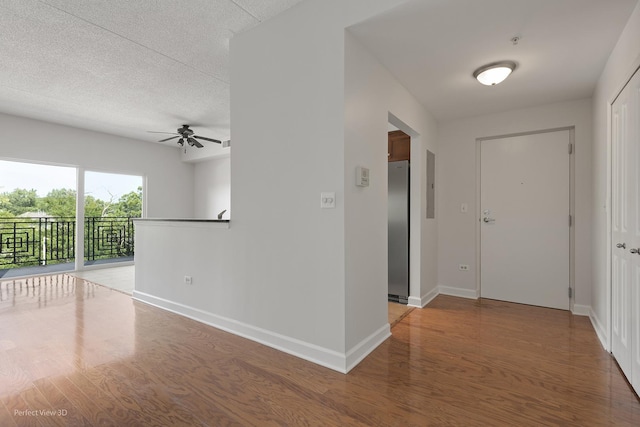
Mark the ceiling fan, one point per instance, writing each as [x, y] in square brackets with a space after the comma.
[186, 135]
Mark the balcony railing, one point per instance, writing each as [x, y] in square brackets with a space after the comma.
[37, 241]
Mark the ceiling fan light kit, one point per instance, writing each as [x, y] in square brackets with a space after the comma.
[494, 73]
[186, 134]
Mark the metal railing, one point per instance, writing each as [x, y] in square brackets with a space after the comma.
[44, 241]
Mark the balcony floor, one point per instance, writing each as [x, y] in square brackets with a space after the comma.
[11, 273]
[118, 278]
[36, 270]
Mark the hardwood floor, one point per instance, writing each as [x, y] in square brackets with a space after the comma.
[93, 356]
[397, 312]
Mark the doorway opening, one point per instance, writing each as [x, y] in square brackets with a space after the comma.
[408, 150]
[111, 203]
[37, 218]
[398, 224]
[398, 207]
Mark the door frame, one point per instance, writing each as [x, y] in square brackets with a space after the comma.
[478, 212]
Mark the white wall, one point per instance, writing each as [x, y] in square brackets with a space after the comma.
[288, 126]
[287, 268]
[371, 93]
[624, 59]
[457, 175]
[209, 151]
[212, 188]
[169, 181]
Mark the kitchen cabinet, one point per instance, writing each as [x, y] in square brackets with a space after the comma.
[399, 146]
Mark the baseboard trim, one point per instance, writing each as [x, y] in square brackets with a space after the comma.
[581, 310]
[304, 350]
[442, 290]
[459, 292]
[424, 300]
[601, 332]
[366, 346]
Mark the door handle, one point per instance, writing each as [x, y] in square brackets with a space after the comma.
[635, 251]
[488, 220]
[621, 246]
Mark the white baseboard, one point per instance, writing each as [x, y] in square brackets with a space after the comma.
[424, 300]
[366, 346]
[459, 292]
[581, 310]
[601, 332]
[328, 358]
[442, 290]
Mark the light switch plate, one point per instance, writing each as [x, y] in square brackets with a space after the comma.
[327, 200]
[362, 176]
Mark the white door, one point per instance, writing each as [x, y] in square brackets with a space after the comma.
[524, 229]
[625, 228]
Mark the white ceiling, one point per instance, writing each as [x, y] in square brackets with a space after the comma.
[124, 66]
[127, 67]
[433, 46]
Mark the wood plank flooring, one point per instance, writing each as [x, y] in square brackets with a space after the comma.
[397, 312]
[76, 353]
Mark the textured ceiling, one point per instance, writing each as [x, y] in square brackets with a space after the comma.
[121, 66]
[130, 66]
[433, 46]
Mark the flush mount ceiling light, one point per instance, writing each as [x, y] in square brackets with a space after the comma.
[495, 73]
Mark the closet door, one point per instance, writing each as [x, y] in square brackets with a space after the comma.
[625, 259]
[635, 240]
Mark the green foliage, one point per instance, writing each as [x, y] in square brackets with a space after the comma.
[93, 207]
[18, 201]
[129, 205]
[61, 203]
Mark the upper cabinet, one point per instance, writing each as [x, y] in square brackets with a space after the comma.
[399, 146]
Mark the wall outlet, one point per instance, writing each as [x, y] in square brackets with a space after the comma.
[463, 267]
[188, 280]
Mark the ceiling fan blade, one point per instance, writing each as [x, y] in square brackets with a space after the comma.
[169, 139]
[195, 142]
[168, 133]
[207, 139]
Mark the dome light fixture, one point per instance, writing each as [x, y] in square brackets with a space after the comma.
[494, 73]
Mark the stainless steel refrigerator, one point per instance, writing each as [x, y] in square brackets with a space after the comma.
[398, 238]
